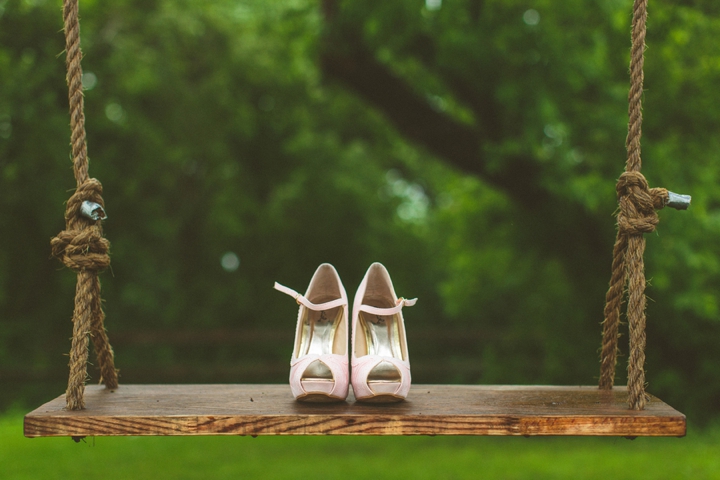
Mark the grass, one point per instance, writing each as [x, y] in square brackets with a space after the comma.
[696, 456]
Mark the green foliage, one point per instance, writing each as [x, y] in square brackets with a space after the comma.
[214, 131]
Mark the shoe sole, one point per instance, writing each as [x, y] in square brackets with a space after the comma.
[381, 399]
[318, 398]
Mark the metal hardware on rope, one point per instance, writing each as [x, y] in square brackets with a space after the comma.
[636, 216]
[93, 211]
[678, 202]
[81, 246]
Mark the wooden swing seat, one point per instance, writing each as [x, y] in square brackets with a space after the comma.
[429, 410]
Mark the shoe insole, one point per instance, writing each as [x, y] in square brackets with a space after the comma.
[382, 334]
[318, 338]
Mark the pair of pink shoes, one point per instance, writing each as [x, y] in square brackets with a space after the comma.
[319, 366]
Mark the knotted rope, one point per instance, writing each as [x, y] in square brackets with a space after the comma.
[81, 246]
[636, 216]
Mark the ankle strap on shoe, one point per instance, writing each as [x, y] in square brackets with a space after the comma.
[301, 300]
[401, 302]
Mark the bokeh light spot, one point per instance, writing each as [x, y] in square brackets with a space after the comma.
[114, 112]
[230, 262]
[89, 80]
[531, 17]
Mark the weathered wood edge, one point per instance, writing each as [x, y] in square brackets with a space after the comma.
[627, 424]
[332, 425]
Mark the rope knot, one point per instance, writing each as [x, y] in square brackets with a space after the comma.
[90, 191]
[638, 204]
[81, 246]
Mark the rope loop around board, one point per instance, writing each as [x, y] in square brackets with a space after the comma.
[81, 246]
[636, 216]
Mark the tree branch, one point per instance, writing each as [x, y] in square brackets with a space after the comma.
[351, 65]
[345, 59]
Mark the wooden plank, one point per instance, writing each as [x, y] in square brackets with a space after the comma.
[429, 410]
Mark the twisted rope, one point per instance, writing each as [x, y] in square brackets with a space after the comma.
[636, 216]
[81, 246]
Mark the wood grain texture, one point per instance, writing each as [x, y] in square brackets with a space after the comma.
[429, 410]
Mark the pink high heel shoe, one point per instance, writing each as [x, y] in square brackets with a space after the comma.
[380, 364]
[319, 364]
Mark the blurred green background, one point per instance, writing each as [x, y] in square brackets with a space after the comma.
[472, 146]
